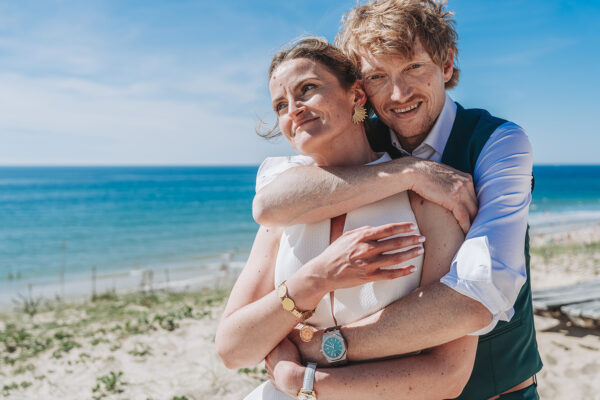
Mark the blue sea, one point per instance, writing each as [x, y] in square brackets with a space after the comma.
[59, 223]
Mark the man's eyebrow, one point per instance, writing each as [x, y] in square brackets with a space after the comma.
[368, 70]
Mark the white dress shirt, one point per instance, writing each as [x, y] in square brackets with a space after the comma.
[490, 265]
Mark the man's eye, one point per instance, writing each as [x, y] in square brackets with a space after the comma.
[374, 77]
[308, 87]
[415, 66]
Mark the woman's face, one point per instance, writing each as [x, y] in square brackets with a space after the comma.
[312, 107]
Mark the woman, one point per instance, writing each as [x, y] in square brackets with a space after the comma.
[337, 271]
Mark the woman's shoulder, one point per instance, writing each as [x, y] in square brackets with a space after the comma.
[272, 167]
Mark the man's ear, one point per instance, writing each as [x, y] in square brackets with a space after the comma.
[448, 66]
[359, 94]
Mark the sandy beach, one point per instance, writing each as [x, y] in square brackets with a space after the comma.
[159, 345]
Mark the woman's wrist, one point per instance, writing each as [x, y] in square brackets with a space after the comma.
[307, 289]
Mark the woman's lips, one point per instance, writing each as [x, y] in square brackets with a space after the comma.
[304, 121]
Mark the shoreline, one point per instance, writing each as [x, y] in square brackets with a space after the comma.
[158, 343]
[198, 271]
[183, 275]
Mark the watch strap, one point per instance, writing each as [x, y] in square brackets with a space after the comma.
[309, 377]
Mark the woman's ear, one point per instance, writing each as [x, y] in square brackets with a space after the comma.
[359, 94]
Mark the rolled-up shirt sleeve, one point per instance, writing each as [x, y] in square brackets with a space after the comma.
[490, 265]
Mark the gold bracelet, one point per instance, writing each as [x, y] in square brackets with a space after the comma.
[288, 304]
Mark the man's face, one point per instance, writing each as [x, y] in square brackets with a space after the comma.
[407, 93]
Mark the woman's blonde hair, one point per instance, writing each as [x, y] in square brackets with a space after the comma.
[384, 27]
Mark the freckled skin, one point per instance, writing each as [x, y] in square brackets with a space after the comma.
[395, 82]
[315, 111]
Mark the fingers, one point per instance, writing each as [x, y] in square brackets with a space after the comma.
[387, 274]
[472, 207]
[463, 219]
[383, 231]
[471, 203]
[398, 243]
[387, 260]
[465, 207]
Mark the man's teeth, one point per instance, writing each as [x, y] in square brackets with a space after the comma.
[403, 110]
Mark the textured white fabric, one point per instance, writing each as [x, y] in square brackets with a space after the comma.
[301, 243]
[266, 391]
[502, 179]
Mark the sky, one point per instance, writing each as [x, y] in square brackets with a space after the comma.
[184, 82]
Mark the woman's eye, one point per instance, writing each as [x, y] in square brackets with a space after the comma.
[374, 77]
[280, 107]
[415, 66]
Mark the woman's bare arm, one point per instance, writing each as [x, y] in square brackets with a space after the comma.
[254, 321]
[253, 300]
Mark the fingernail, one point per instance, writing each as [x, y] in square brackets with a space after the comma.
[421, 239]
[420, 250]
[412, 268]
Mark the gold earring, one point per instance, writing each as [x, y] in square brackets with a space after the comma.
[360, 114]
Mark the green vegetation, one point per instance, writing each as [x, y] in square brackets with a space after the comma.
[6, 389]
[255, 372]
[140, 350]
[108, 384]
[549, 251]
[62, 328]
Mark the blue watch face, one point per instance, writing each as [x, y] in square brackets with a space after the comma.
[333, 347]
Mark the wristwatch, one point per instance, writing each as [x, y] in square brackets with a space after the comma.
[288, 304]
[333, 346]
[307, 392]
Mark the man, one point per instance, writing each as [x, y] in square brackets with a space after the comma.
[406, 50]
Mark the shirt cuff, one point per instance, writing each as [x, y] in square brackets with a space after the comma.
[471, 275]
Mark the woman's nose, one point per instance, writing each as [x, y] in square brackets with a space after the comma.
[295, 109]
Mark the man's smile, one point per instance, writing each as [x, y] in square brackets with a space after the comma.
[406, 110]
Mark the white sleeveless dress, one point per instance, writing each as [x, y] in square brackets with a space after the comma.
[301, 243]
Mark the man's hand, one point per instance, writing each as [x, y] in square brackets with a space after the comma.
[448, 187]
[311, 351]
[284, 369]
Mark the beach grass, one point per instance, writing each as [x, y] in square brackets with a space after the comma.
[549, 251]
[57, 330]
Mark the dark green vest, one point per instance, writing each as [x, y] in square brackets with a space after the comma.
[508, 354]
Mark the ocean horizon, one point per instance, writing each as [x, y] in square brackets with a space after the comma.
[60, 223]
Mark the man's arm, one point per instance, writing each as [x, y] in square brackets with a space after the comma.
[485, 276]
[437, 373]
[308, 194]
[490, 266]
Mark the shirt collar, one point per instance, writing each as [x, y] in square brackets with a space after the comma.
[440, 132]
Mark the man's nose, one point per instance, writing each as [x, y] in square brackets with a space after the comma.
[401, 90]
